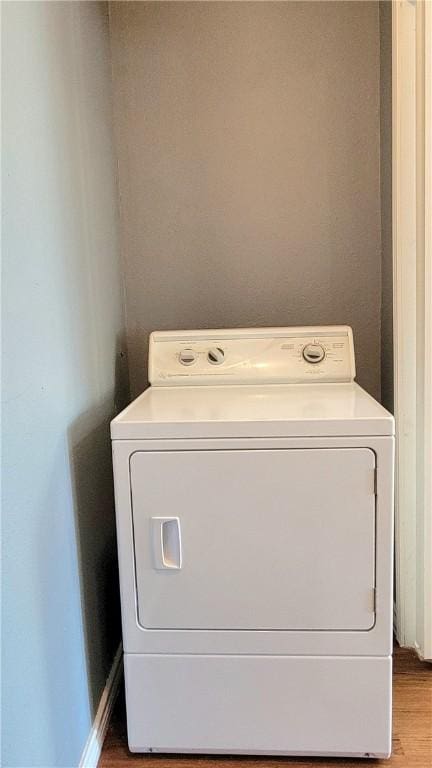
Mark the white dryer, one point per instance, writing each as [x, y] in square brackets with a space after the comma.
[254, 497]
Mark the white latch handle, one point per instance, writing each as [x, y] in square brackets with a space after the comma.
[166, 537]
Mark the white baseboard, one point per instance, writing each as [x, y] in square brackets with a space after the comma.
[92, 750]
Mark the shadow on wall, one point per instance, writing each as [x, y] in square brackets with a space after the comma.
[84, 524]
[91, 475]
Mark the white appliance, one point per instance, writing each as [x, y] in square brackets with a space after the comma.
[254, 496]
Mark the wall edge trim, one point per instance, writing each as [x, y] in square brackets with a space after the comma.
[93, 746]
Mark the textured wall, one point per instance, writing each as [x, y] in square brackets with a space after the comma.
[63, 327]
[248, 141]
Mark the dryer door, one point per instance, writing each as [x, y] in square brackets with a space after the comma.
[257, 539]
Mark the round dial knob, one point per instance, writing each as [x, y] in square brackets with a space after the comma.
[313, 353]
[216, 356]
[187, 356]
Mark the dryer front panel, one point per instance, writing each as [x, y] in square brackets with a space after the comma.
[254, 539]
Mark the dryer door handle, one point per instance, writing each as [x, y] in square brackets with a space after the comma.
[166, 541]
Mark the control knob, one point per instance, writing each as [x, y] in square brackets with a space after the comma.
[216, 356]
[313, 353]
[187, 356]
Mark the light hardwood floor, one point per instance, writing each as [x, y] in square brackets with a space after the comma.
[412, 732]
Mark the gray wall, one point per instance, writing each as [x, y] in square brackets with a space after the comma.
[248, 138]
[63, 328]
[386, 203]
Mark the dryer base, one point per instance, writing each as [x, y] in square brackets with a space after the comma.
[279, 705]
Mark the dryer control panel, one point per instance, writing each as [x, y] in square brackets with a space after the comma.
[252, 356]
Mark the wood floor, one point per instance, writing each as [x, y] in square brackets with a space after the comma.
[412, 732]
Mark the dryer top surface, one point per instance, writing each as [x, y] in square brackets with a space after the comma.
[274, 410]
